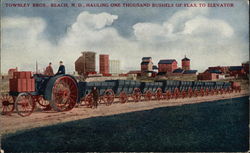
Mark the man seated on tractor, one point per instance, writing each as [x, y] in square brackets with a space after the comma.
[61, 69]
[49, 70]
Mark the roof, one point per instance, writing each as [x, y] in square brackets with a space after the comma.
[185, 59]
[215, 71]
[146, 58]
[235, 68]
[179, 70]
[189, 71]
[144, 63]
[167, 61]
[155, 67]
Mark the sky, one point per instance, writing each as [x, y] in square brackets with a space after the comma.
[209, 36]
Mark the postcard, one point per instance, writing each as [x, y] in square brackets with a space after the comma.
[124, 76]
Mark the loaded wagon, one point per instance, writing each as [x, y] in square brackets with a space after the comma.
[124, 89]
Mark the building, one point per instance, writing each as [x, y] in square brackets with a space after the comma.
[104, 64]
[185, 63]
[146, 64]
[134, 73]
[167, 65]
[114, 66]
[222, 69]
[237, 71]
[85, 64]
[246, 67]
[182, 73]
[207, 76]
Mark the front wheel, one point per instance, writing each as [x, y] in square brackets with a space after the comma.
[24, 104]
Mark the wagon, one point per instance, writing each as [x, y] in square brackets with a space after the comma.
[186, 89]
[152, 90]
[106, 94]
[125, 89]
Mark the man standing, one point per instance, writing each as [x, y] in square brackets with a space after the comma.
[49, 70]
[95, 96]
[61, 69]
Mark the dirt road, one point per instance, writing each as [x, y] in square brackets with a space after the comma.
[13, 123]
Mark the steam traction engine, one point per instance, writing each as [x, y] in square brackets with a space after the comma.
[59, 92]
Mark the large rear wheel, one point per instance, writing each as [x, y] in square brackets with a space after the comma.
[64, 94]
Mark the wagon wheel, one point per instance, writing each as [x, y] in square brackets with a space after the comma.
[109, 97]
[190, 92]
[88, 100]
[64, 94]
[7, 104]
[176, 93]
[196, 93]
[226, 90]
[207, 92]
[42, 102]
[168, 94]
[136, 95]
[148, 95]
[183, 94]
[123, 97]
[159, 94]
[202, 92]
[25, 104]
[221, 91]
[212, 91]
[216, 91]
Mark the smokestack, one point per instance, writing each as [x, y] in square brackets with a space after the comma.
[36, 67]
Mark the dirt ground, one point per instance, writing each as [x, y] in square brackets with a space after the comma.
[14, 122]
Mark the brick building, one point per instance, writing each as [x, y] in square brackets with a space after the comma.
[167, 65]
[85, 64]
[185, 63]
[104, 64]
